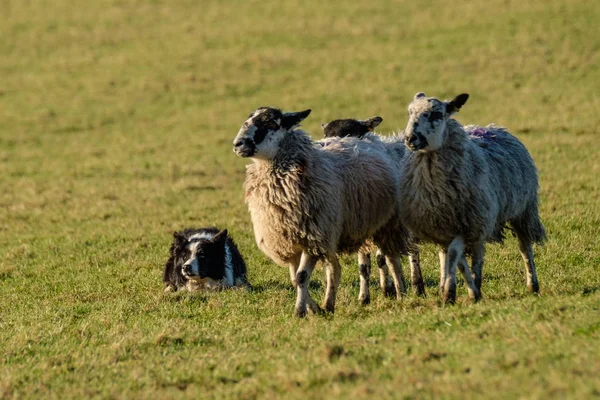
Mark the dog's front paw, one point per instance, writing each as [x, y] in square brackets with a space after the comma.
[170, 288]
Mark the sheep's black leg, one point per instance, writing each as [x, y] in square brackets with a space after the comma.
[416, 277]
[527, 254]
[455, 252]
[307, 265]
[477, 264]
[463, 266]
[385, 282]
[334, 275]
[395, 268]
[364, 268]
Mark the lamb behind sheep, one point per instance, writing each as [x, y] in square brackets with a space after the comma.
[395, 145]
[309, 203]
[460, 188]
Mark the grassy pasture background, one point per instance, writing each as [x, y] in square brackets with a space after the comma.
[116, 122]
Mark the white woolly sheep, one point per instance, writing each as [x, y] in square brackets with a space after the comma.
[395, 145]
[460, 187]
[309, 203]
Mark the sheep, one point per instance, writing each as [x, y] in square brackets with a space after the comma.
[363, 128]
[461, 186]
[309, 203]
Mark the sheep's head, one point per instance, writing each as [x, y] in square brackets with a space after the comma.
[260, 135]
[427, 118]
[350, 127]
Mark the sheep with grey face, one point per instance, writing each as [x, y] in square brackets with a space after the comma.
[395, 144]
[462, 185]
[309, 203]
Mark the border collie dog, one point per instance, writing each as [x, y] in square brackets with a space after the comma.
[204, 259]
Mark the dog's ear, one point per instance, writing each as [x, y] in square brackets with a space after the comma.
[220, 237]
[179, 238]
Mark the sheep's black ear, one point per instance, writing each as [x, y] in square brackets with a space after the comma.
[419, 95]
[455, 104]
[293, 119]
[221, 236]
[372, 122]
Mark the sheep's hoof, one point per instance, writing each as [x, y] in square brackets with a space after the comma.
[315, 309]
[364, 300]
[402, 290]
[389, 291]
[449, 301]
[475, 296]
[533, 287]
[300, 312]
[419, 288]
[329, 308]
[450, 295]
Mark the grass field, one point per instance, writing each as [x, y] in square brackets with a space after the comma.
[116, 123]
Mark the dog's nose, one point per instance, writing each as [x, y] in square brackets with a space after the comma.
[187, 268]
[412, 139]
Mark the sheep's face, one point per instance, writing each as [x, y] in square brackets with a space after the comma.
[350, 127]
[427, 118]
[260, 135]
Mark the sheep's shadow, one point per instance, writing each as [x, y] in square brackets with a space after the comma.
[272, 285]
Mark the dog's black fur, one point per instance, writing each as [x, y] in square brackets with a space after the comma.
[215, 253]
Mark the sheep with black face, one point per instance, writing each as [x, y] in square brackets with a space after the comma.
[460, 187]
[309, 203]
[395, 144]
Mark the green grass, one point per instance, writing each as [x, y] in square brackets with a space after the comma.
[116, 122]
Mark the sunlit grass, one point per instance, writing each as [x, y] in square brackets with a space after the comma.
[116, 122]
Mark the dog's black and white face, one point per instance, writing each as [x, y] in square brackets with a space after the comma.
[260, 135]
[427, 117]
[204, 258]
[201, 254]
[350, 127]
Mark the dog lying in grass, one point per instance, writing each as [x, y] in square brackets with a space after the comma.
[204, 259]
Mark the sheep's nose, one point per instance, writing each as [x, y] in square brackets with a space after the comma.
[238, 142]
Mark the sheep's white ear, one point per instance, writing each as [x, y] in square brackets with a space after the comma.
[455, 104]
[419, 95]
[293, 119]
[372, 122]
[323, 126]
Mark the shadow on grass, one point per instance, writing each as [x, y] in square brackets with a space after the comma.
[272, 285]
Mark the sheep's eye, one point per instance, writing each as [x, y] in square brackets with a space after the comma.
[435, 116]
